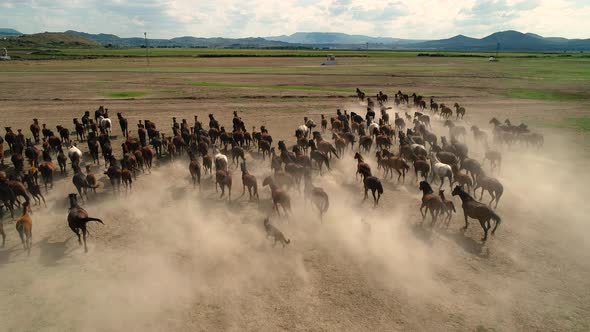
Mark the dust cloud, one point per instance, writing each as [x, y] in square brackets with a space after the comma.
[174, 257]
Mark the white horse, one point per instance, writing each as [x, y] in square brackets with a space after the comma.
[221, 161]
[304, 129]
[440, 170]
[372, 127]
[105, 124]
[75, 155]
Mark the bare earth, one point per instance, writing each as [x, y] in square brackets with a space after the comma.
[172, 257]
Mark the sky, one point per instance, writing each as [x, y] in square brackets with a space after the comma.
[413, 19]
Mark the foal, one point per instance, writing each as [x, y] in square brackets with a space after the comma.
[430, 201]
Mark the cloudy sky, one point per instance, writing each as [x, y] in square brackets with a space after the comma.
[417, 19]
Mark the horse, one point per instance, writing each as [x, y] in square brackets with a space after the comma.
[491, 185]
[318, 156]
[24, 227]
[75, 155]
[275, 233]
[279, 197]
[317, 195]
[195, 169]
[398, 164]
[440, 170]
[430, 201]
[448, 206]
[477, 210]
[374, 184]
[104, 124]
[460, 111]
[249, 181]
[223, 179]
[362, 167]
[78, 218]
[123, 124]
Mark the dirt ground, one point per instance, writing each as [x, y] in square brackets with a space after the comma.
[174, 257]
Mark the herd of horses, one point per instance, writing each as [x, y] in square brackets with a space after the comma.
[407, 141]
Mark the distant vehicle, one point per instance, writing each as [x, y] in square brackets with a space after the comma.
[4, 56]
[492, 59]
[330, 60]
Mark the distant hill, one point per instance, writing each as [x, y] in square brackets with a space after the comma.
[9, 32]
[509, 41]
[327, 38]
[49, 39]
[113, 40]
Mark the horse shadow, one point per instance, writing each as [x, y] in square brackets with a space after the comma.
[468, 244]
[5, 254]
[52, 252]
[422, 231]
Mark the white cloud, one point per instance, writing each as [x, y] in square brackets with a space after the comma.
[427, 19]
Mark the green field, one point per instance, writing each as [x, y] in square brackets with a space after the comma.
[73, 53]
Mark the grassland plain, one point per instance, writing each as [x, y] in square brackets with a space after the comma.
[143, 269]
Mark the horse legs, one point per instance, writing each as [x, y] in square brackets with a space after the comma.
[374, 197]
[399, 174]
[366, 194]
[466, 223]
[77, 232]
[442, 181]
[485, 230]
[423, 213]
[3, 235]
[84, 232]
[497, 199]
[493, 197]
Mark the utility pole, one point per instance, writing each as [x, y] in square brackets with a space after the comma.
[147, 49]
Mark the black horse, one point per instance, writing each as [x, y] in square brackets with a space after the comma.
[374, 184]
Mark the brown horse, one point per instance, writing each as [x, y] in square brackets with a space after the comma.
[448, 206]
[320, 157]
[477, 210]
[317, 195]
[279, 197]
[195, 169]
[24, 227]
[422, 166]
[491, 185]
[249, 181]
[47, 168]
[398, 164]
[223, 179]
[430, 201]
[461, 178]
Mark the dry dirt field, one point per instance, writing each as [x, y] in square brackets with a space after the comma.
[174, 258]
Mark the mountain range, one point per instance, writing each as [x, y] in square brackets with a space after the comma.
[505, 40]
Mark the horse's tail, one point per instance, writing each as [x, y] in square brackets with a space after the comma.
[20, 228]
[497, 219]
[326, 204]
[88, 219]
[287, 241]
[380, 187]
[335, 152]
